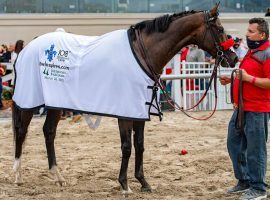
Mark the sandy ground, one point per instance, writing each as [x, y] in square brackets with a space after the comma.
[90, 160]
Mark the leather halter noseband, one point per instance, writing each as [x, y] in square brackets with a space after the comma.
[156, 77]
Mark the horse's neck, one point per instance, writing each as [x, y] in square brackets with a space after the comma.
[161, 47]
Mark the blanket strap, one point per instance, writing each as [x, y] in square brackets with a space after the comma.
[154, 98]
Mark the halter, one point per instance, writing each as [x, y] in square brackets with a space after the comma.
[220, 56]
[220, 46]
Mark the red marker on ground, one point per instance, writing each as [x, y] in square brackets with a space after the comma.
[183, 152]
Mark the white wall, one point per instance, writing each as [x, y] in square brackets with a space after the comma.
[28, 26]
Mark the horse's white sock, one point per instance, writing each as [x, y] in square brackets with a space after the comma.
[17, 165]
[17, 170]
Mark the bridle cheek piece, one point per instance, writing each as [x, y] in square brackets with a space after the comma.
[220, 46]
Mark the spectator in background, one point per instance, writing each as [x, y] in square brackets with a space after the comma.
[1, 52]
[183, 54]
[11, 48]
[6, 54]
[183, 57]
[195, 55]
[239, 49]
[18, 47]
[6, 57]
[209, 58]
[267, 13]
[243, 44]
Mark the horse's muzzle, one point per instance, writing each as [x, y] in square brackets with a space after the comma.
[230, 59]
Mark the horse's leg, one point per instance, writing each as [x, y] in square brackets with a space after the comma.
[49, 130]
[125, 128]
[138, 127]
[20, 122]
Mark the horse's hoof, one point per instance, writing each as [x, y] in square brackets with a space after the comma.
[127, 192]
[58, 178]
[146, 189]
[61, 183]
[18, 183]
[18, 179]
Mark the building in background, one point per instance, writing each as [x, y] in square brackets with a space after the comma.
[27, 19]
[128, 6]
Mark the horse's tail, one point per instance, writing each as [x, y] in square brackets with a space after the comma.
[16, 113]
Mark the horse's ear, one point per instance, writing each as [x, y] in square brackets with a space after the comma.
[214, 11]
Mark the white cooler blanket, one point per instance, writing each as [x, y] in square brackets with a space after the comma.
[97, 75]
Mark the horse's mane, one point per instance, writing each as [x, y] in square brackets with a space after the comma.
[161, 24]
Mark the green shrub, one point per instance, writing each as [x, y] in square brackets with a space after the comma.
[7, 94]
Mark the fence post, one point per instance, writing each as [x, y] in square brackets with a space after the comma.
[176, 83]
[184, 85]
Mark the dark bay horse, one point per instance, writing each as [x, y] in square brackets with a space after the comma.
[154, 42]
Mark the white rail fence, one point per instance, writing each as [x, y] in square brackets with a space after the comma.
[9, 76]
[189, 81]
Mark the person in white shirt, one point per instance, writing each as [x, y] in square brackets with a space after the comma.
[18, 47]
[239, 49]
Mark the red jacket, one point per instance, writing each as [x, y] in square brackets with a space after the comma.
[256, 63]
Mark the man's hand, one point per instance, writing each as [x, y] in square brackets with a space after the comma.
[224, 80]
[245, 76]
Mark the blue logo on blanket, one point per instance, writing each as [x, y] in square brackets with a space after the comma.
[51, 53]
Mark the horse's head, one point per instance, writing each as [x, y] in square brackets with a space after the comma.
[214, 40]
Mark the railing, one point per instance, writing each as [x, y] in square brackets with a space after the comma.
[189, 81]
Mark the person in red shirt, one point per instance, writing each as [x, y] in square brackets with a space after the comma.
[247, 149]
[183, 54]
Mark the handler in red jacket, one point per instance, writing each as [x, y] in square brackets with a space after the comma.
[248, 150]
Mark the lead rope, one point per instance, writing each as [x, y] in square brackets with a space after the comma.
[240, 110]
